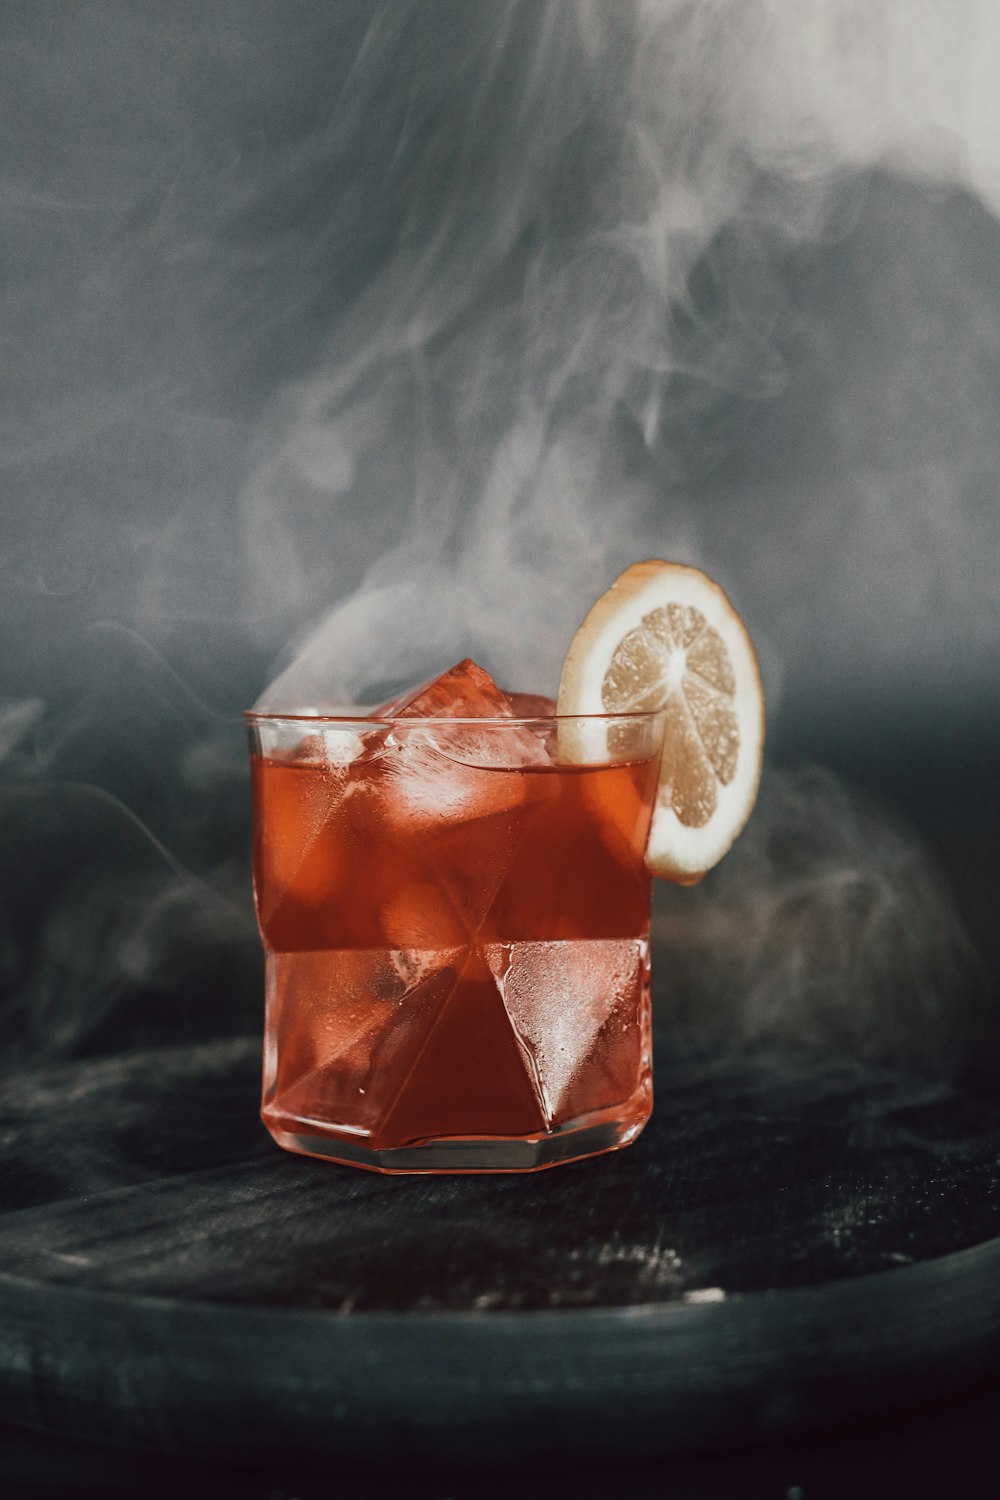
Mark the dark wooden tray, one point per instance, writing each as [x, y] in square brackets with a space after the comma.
[793, 1241]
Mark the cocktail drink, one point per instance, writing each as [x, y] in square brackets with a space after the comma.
[453, 891]
[455, 914]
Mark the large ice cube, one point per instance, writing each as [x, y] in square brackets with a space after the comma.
[542, 726]
[337, 746]
[466, 691]
[421, 784]
[530, 705]
[516, 748]
[456, 795]
[441, 772]
[329, 747]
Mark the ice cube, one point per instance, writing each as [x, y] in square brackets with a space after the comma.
[542, 725]
[457, 830]
[461, 789]
[336, 746]
[342, 746]
[424, 783]
[499, 747]
[561, 995]
[465, 691]
[530, 705]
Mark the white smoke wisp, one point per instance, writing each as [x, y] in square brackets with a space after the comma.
[492, 431]
[827, 927]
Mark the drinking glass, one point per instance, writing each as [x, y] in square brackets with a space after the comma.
[455, 917]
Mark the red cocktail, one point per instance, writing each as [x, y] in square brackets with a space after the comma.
[455, 918]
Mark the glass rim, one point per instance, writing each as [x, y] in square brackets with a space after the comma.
[271, 716]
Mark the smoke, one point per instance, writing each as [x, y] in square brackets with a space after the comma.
[595, 209]
[345, 341]
[827, 927]
[125, 913]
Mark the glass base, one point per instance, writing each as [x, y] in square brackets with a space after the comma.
[590, 1135]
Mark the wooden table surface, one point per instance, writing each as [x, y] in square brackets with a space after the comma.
[795, 1239]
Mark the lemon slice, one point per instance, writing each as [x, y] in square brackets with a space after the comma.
[666, 636]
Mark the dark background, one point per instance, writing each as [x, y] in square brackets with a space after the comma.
[344, 341]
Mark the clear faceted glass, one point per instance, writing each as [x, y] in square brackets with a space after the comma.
[455, 916]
